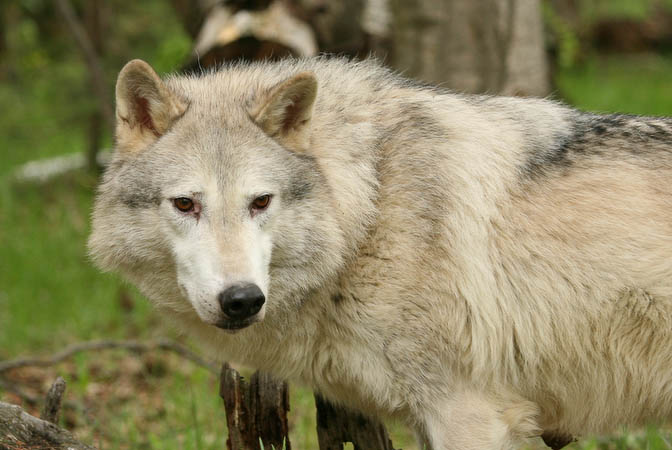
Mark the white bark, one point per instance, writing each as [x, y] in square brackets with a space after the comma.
[478, 46]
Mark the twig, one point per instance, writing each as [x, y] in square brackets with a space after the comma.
[131, 345]
[52, 405]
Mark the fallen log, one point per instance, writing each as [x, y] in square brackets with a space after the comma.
[20, 430]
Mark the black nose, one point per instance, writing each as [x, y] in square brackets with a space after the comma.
[241, 301]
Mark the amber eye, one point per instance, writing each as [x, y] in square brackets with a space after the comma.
[261, 202]
[184, 204]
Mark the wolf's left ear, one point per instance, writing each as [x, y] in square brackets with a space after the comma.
[145, 107]
[285, 112]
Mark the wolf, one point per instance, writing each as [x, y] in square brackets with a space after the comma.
[487, 269]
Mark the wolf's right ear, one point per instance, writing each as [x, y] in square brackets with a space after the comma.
[145, 107]
[285, 111]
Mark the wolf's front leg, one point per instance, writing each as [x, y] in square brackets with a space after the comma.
[471, 421]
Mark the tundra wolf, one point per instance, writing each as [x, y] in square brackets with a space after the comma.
[488, 269]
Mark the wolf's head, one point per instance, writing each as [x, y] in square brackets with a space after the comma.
[212, 203]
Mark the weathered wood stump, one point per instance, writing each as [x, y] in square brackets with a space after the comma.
[258, 409]
[336, 425]
[255, 410]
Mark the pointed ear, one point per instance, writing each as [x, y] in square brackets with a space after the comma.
[145, 107]
[285, 111]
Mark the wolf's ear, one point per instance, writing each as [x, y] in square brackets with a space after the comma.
[145, 107]
[285, 112]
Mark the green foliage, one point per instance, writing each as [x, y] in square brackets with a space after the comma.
[261, 445]
[569, 29]
[653, 438]
[638, 84]
[592, 10]
[565, 37]
[149, 30]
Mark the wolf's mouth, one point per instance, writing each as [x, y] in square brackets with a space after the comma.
[233, 325]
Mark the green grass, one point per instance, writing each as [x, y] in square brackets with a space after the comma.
[50, 295]
[653, 438]
[49, 291]
[638, 84]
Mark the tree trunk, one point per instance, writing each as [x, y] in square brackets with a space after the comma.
[93, 62]
[92, 24]
[477, 46]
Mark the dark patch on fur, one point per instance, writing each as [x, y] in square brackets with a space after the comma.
[337, 298]
[540, 161]
[135, 188]
[648, 139]
[599, 130]
[306, 176]
[417, 123]
[141, 198]
[299, 189]
[417, 128]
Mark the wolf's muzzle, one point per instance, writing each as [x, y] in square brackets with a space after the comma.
[241, 302]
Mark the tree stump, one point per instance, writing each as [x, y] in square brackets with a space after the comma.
[255, 410]
[337, 425]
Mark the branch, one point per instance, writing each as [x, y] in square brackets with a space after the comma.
[135, 346]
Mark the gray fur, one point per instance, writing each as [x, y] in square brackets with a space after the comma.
[604, 136]
[488, 269]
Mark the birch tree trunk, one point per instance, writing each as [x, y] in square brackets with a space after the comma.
[477, 46]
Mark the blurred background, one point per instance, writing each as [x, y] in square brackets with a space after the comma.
[58, 64]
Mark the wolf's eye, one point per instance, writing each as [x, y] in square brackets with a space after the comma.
[261, 202]
[184, 204]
